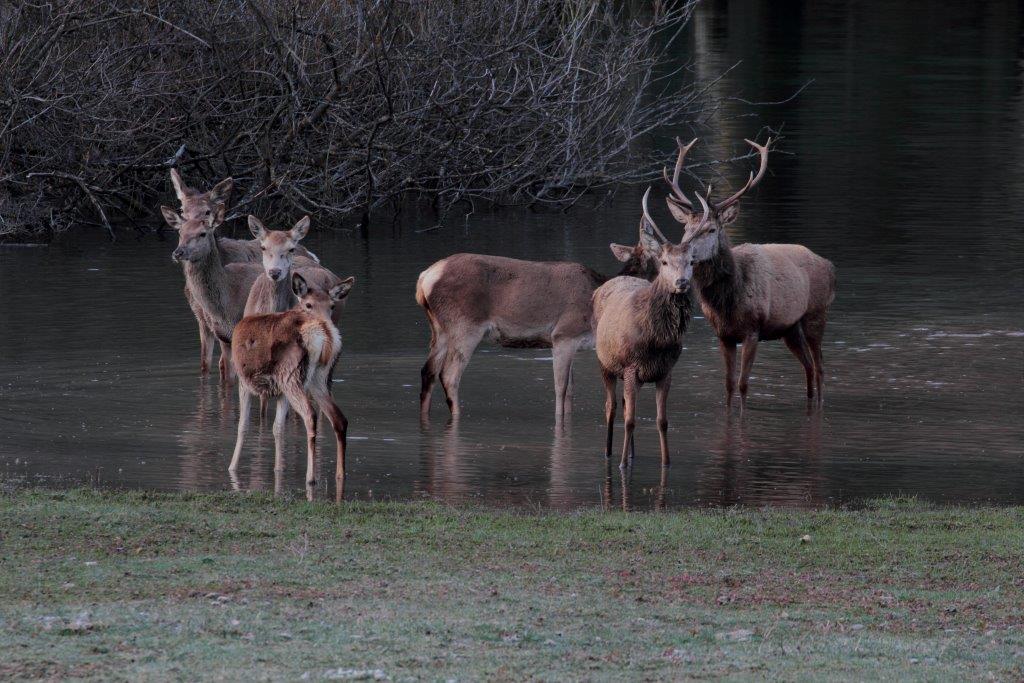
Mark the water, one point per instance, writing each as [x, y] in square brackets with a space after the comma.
[907, 172]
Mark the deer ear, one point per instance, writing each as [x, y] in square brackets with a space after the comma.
[648, 239]
[729, 215]
[299, 286]
[341, 290]
[171, 216]
[256, 227]
[179, 185]
[300, 229]
[622, 252]
[680, 213]
[221, 191]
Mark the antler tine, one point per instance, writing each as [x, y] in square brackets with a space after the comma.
[677, 194]
[702, 226]
[753, 180]
[650, 221]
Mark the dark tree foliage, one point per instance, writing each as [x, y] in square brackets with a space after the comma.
[329, 106]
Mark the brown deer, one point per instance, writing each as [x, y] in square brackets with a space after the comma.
[638, 327]
[217, 291]
[196, 205]
[272, 291]
[755, 292]
[291, 356]
[517, 304]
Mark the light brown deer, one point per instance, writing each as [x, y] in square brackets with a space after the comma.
[217, 291]
[272, 291]
[517, 304]
[291, 356]
[639, 326]
[755, 292]
[197, 205]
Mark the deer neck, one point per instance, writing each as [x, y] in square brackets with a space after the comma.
[719, 282]
[664, 312]
[281, 293]
[207, 280]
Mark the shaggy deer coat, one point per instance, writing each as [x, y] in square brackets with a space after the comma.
[639, 328]
[756, 292]
[514, 303]
[196, 205]
[291, 355]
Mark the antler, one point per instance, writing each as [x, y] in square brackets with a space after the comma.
[650, 221]
[702, 226]
[677, 195]
[753, 180]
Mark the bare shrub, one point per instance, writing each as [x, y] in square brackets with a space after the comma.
[338, 108]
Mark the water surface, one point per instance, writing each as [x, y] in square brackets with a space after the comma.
[907, 171]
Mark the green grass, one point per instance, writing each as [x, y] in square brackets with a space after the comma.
[148, 586]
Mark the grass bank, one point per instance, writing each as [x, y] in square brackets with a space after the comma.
[154, 586]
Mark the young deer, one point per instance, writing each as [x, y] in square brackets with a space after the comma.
[639, 326]
[518, 304]
[291, 356]
[216, 290]
[272, 291]
[196, 205]
[755, 292]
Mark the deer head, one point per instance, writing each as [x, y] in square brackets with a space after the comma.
[277, 247]
[707, 235]
[196, 236]
[316, 302]
[636, 260]
[196, 204]
[674, 262]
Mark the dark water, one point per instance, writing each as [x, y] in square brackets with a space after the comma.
[907, 172]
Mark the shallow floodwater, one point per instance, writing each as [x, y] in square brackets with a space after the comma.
[907, 171]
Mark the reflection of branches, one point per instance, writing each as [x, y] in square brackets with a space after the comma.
[339, 107]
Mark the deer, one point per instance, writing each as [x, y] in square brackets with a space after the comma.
[291, 356]
[272, 292]
[515, 303]
[197, 205]
[755, 292]
[216, 290]
[638, 330]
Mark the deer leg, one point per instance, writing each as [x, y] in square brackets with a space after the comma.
[431, 368]
[244, 399]
[205, 347]
[305, 408]
[609, 410]
[819, 368]
[206, 336]
[340, 426]
[797, 343]
[562, 353]
[570, 388]
[746, 363]
[629, 391]
[227, 371]
[661, 398]
[280, 419]
[729, 355]
[814, 331]
[455, 364]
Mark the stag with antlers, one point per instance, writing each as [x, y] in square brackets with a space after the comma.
[755, 292]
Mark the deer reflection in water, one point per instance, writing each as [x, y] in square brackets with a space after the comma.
[740, 471]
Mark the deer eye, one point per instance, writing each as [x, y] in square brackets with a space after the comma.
[309, 306]
[292, 250]
[664, 263]
[202, 234]
[208, 212]
[262, 248]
